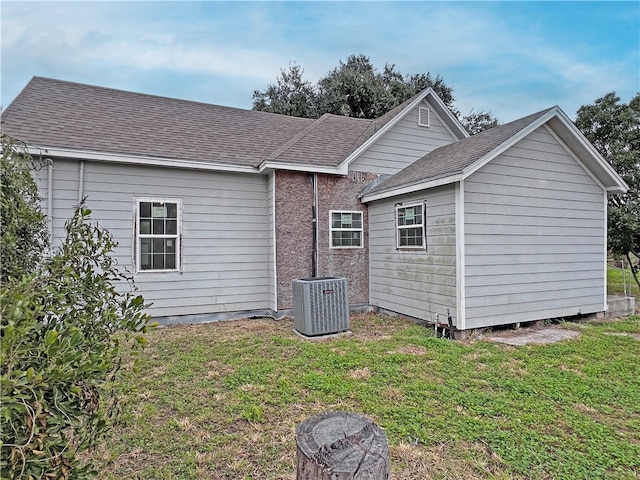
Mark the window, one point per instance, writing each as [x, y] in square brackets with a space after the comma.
[410, 225]
[158, 235]
[346, 229]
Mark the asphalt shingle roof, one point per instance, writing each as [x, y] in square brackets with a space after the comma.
[327, 141]
[452, 159]
[54, 113]
[57, 114]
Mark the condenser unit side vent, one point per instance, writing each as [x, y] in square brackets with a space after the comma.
[320, 305]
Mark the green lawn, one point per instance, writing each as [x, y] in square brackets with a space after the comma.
[221, 401]
[615, 284]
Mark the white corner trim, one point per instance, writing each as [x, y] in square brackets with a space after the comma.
[272, 183]
[139, 160]
[606, 251]
[460, 257]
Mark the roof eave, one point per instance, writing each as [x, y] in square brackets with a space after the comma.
[416, 187]
[267, 167]
[573, 137]
[57, 152]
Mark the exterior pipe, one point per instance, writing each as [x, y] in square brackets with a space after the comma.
[314, 214]
[50, 197]
[81, 182]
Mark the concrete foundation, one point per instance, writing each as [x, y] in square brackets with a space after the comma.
[620, 306]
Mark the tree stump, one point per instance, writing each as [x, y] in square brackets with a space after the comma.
[341, 446]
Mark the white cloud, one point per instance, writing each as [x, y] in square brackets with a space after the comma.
[494, 57]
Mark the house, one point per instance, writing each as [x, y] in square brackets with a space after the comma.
[507, 226]
[216, 210]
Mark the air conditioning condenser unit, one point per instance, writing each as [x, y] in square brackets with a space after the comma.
[320, 305]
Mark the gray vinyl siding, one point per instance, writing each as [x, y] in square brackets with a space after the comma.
[534, 236]
[403, 144]
[418, 284]
[65, 199]
[226, 231]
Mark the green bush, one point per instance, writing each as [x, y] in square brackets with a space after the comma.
[23, 227]
[61, 351]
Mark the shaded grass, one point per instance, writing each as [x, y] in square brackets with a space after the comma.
[222, 401]
[615, 283]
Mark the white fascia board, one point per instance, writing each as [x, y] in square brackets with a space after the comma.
[138, 160]
[621, 186]
[429, 92]
[444, 111]
[296, 167]
[575, 157]
[478, 164]
[388, 126]
[437, 182]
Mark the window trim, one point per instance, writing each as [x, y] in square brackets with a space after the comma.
[332, 230]
[137, 235]
[423, 225]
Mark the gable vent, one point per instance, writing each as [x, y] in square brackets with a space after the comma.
[423, 116]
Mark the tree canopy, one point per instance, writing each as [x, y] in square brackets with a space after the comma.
[355, 88]
[614, 130]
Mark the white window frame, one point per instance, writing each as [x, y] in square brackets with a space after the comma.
[138, 236]
[332, 229]
[423, 225]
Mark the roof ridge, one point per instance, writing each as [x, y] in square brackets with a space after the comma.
[309, 130]
[151, 95]
[287, 145]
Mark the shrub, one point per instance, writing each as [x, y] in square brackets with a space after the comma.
[61, 352]
[23, 227]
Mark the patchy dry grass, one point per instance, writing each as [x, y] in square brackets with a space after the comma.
[221, 401]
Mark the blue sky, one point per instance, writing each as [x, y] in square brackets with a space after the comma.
[510, 58]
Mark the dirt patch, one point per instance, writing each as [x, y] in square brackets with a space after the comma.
[624, 334]
[411, 350]
[543, 336]
[360, 373]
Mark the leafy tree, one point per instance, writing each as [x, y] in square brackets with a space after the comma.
[66, 325]
[23, 227]
[476, 122]
[614, 130]
[289, 96]
[354, 88]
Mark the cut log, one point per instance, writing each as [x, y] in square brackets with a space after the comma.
[341, 446]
